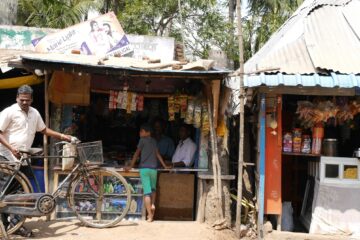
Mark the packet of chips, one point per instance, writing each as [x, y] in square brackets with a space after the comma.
[171, 110]
[129, 100]
[140, 103]
[197, 114]
[183, 106]
[177, 103]
[189, 118]
[205, 123]
[133, 102]
[124, 100]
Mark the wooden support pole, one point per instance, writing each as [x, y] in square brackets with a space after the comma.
[241, 120]
[46, 160]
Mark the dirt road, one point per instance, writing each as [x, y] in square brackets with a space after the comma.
[140, 230]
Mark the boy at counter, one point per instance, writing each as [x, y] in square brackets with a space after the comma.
[149, 154]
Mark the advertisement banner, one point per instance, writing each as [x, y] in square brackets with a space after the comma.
[101, 36]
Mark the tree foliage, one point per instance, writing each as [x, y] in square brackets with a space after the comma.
[53, 13]
[263, 19]
[203, 24]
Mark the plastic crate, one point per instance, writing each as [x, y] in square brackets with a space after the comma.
[90, 152]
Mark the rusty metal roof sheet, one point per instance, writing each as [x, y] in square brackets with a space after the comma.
[7, 55]
[321, 36]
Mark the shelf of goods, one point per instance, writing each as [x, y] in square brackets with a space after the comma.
[111, 205]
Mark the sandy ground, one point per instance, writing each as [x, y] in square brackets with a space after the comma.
[157, 230]
[276, 235]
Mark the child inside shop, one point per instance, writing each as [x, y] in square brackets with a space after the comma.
[149, 155]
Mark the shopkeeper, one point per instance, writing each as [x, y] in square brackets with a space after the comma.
[185, 150]
[164, 143]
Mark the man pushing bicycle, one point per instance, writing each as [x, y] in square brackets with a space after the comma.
[18, 125]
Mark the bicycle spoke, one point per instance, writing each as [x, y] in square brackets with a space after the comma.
[100, 199]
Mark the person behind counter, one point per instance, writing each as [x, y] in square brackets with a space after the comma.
[149, 154]
[185, 150]
[164, 143]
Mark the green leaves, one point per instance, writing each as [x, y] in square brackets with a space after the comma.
[264, 18]
[54, 13]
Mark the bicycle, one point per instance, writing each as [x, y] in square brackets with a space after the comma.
[99, 196]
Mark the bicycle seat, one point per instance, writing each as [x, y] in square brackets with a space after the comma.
[31, 151]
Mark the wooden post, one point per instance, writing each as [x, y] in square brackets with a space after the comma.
[261, 167]
[215, 161]
[241, 120]
[46, 161]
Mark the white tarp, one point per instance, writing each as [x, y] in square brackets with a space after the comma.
[336, 209]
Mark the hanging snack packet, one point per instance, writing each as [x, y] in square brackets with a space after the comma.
[183, 106]
[119, 99]
[133, 102]
[189, 118]
[140, 103]
[177, 103]
[124, 100]
[205, 124]
[129, 99]
[197, 115]
[171, 110]
[112, 99]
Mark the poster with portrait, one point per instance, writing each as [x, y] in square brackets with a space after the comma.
[101, 36]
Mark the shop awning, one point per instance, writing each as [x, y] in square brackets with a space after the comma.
[18, 81]
[314, 80]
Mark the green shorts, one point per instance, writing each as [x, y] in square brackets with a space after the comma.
[148, 180]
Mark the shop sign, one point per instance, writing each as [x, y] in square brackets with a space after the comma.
[102, 35]
[152, 47]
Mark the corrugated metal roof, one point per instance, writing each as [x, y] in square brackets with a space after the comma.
[321, 35]
[314, 80]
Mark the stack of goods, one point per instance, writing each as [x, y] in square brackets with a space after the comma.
[194, 111]
[318, 135]
[197, 114]
[178, 105]
[128, 101]
[297, 142]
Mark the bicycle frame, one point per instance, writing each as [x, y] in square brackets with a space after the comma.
[79, 169]
[17, 169]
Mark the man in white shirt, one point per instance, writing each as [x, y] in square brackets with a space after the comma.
[185, 150]
[19, 123]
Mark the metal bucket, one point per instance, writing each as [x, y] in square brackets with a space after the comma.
[330, 147]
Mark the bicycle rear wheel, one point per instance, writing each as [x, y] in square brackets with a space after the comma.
[19, 185]
[100, 198]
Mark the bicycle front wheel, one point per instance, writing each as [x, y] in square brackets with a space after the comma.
[100, 198]
[20, 184]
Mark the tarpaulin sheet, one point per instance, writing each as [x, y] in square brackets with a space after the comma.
[336, 209]
[68, 88]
